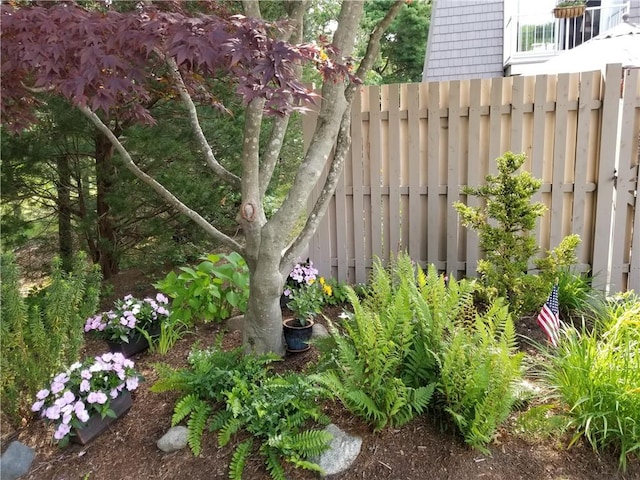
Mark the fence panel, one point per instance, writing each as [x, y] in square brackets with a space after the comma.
[414, 146]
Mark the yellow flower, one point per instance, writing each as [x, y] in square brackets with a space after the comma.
[327, 289]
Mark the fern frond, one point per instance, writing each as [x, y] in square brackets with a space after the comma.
[239, 459]
[310, 443]
[231, 427]
[196, 424]
[360, 403]
[306, 464]
[272, 461]
[184, 407]
[219, 419]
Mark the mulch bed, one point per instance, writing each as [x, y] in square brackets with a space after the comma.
[424, 449]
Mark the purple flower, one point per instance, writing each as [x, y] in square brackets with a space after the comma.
[37, 406]
[83, 415]
[86, 374]
[42, 394]
[132, 383]
[162, 298]
[128, 297]
[62, 431]
[85, 386]
[57, 387]
[68, 396]
[97, 397]
[107, 357]
[52, 413]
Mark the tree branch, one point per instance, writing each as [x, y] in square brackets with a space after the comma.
[158, 187]
[343, 140]
[210, 158]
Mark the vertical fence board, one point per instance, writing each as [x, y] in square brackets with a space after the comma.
[560, 158]
[453, 162]
[358, 191]
[474, 174]
[395, 215]
[632, 119]
[517, 115]
[495, 123]
[375, 172]
[606, 167]
[413, 112]
[582, 158]
[433, 133]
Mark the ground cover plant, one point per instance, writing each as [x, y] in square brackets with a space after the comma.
[231, 392]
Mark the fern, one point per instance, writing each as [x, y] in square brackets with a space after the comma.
[478, 370]
[239, 459]
[184, 407]
[196, 425]
[226, 431]
[272, 462]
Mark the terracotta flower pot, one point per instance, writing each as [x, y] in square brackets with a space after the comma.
[297, 336]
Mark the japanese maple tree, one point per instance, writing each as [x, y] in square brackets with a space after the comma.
[112, 65]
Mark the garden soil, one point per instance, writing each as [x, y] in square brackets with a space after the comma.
[425, 449]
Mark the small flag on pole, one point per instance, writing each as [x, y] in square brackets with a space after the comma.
[549, 317]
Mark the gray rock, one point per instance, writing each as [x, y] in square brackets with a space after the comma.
[342, 452]
[234, 323]
[175, 439]
[16, 461]
[319, 331]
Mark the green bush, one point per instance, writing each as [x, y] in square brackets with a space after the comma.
[210, 291]
[44, 331]
[595, 374]
[231, 392]
[504, 224]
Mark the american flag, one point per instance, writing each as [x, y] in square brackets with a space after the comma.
[549, 317]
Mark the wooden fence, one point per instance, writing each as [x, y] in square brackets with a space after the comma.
[415, 146]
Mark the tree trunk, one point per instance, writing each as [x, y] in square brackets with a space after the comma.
[65, 239]
[105, 175]
[262, 326]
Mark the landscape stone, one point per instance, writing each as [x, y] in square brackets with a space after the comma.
[175, 439]
[319, 331]
[343, 451]
[16, 461]
[235, 323]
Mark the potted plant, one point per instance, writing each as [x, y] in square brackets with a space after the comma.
[303, 274]
[569, 8]
[305, 303]
[122, 326]
[86, 398]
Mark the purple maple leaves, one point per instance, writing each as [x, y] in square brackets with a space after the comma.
[115, 62]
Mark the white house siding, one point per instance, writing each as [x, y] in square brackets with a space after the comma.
[465, 40]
